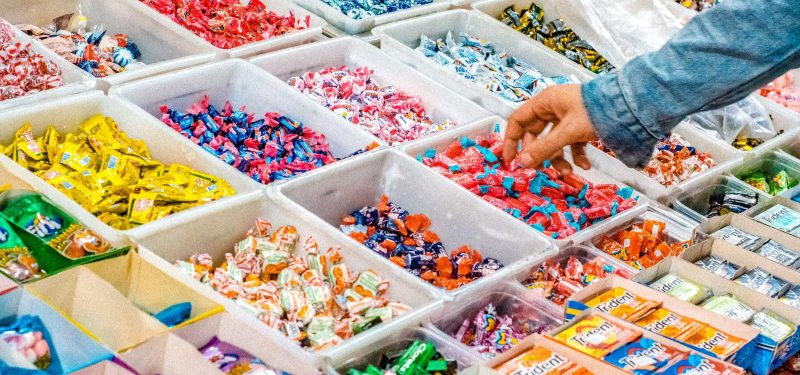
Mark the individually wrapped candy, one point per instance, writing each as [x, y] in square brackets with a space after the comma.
[698, 5]
[719, 266]
[642, 244]
[763, 282]
[478, 61]
[721, 203]
[25, 344]
[491, 332]
[557, 36]
[540, 361]
[778, 253]
[407, 241]
[390, 114]
[111, 175]
[792, 297]
[313, 298]
[558, 282]
[596, 336]
[546, 200]
[737, 237]
[359, 10]
[421, 357]
[773, 183]
[773, 326]
[22, 70]
[681, 288]
[642, 355]
[781, 218]
[229, 24]
[16, 260]
[729, 306]
[231, 359]
[784, 91]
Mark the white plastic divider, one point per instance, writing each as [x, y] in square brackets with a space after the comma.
[692, 199]
[485, 127]
[352, 26]
[67, 114]
[281, 7]
[218, 233]
[162, 48]
[771, 163]
[441, 104]
[74, 81]
[353, 184]
[243, 84]
[401, 39]
[724, 156]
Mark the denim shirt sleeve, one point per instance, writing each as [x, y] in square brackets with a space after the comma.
[718, 58]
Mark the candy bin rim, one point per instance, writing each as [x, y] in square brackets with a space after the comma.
[791, 129]
[154, 247]
[350, 26]
[439, 141]
[706, 183]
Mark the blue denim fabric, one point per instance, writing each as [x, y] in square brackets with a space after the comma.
[718, 58]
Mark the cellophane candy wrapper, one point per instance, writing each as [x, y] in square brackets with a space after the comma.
[744, 124]
[359, 10]
[642, 245]
[784, 91]
[232, 360]
[229, 24]
[313, 298]
[25, 344]
[420, 357]
[491, 332]
[557, 282]
[23, 71]
[16, 261]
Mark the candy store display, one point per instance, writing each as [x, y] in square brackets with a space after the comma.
[312, 297]
[538, 360]
[384, 111]
[681, 288]
[359, 10]
[229, 24]
[763, 282]
[406, 240]
[721, 203]
[421, 357]
[557, 36]
[22, 70]
[784, 91]
[480, 62]
[556, 205]
[642, 245]
[771, 183]
[111, 175]
[781, 218]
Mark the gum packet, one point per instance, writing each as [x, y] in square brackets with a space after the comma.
[622, 303]
[681, 288]
[596, 336]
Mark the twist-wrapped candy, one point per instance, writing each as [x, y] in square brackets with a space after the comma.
[558, 281]
[23, 71]
[362, 9]
[497, 71]
[386, 112]
[232, 360]
[491, 332]
[27, 346]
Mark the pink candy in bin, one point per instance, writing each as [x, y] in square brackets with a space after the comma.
[783, 91]
[559, 206]
[23, 71]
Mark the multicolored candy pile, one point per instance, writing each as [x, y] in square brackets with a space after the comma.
[497, 71]
[783, 91]
[421, 357]
[698, 5]
[559, 281]
[95, 51]
[771, 183]
[642, 245]
[491, 332]
[111, 175]
[556, 205]
[233, 360]
[556, 36]
[27, 347]
[406, 240]
[314, 299]
[386, 112]
[228, 24]
[359, 10]
[269, 149]
[674, 160]
[23, 71]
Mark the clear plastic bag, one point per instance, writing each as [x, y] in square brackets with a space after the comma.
[746, 118]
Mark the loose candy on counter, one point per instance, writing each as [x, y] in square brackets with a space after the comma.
[792, 297]
[772, 183]
[94, 50]
[229, 24]
[642, 355]
[25, 344]
[267, 149]
[314, 298]
[719, 266]
[540, 361]
[763, 282]
[420, 357]
[698, 5]
[779, 254]
[674, 160]
[781, 218]
[784, 91]
[596, 336]
[230, 359]
[557, 36]
[556, 205]
[642, 245]
[622, 303]
[721, 344]
[729, 306]
[722, 203]
[738, 237]
[695, 364]
[498, 72]
[491, 333]
[557, 282]
[359, 10]
[681, 288]
[407, 241]
[22, 70]
[16, 260]
[111, 175]
[773, 326]
[384, 111]
[670, 324]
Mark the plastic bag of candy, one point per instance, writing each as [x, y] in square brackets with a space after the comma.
[744, 124]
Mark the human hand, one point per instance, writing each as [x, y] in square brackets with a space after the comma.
[563, 106]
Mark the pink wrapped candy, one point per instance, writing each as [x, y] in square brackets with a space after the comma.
[23, 71]
[783, 91]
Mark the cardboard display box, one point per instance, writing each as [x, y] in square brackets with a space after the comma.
[167, 354]
[747, 224]
[591, 364]
[746, 259]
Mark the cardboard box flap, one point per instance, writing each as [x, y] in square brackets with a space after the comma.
[104, 368]
[167, 354]
[748, 225]
[741, 257]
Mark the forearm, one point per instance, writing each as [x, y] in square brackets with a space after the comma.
[720, 57]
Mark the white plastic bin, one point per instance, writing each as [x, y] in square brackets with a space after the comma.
[352, 26]
[725, 157]
[455, 215]
[244, 85]
[67, 114]
[74, 80]
[218, 233]
[768, 165]
[485, 127]
[162, 48]
[692, 199]
[401, 39]
[281, 7]
[441, 104]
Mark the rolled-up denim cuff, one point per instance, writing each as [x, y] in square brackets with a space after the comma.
[614, 122]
